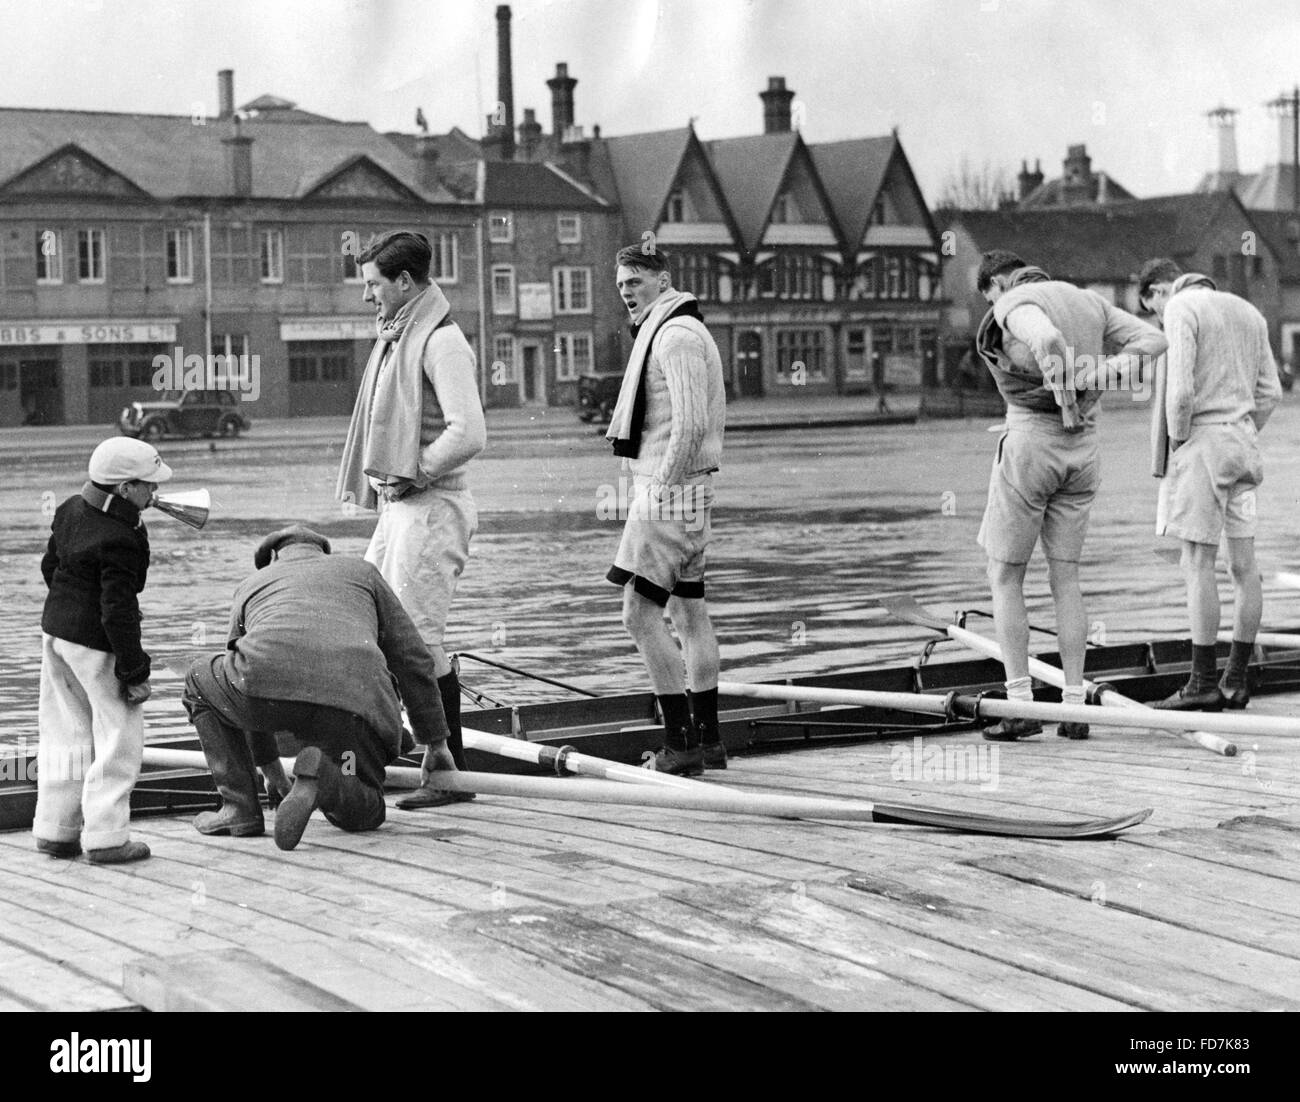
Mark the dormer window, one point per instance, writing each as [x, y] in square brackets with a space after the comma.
[781, 209]
[676, 211]
[878, 212]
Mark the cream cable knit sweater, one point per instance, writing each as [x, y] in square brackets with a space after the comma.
[685, 405]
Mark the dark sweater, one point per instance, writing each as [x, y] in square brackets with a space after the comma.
[327, 629]
[95, 567]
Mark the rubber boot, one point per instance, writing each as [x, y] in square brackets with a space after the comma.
[231, 763]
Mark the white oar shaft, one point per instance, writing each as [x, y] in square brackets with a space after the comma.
[1138, 717]
[573, 762]
[1268, 639]
[701, 798]
[1053, 675]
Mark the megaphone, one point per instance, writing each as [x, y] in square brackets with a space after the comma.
[189, 507]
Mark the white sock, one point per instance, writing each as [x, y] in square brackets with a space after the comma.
[1073, 694]
[1020, 689]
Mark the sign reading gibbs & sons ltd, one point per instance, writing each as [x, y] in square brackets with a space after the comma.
[88, 331]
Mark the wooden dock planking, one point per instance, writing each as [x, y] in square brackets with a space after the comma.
[233, 979]
[912, 957]
[746, 950]
[1183, 897]
[1130, 957]
[665, 979]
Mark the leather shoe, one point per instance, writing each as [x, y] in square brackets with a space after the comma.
[118, 855]
[227, 821]
[1235, 697]
[715, 755]
[1010, 729]
[315, 781]
[58, 849]
[1072, 730]
[1206, 700]
[428, 795]
[684, 763]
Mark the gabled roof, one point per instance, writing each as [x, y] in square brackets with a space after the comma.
[524, 184]
[1193, 216]
[751, 171]
[1102, 189]
[1083, 245]
[852, 173]
[1280, 230]
[169, 156]
[1271, 189]
[643, 168]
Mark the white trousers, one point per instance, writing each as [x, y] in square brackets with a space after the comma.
[91, 746]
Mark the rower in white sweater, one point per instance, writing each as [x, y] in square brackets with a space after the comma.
[1221, 387]
[667, 426]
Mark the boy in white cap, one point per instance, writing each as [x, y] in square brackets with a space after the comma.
[94, 671]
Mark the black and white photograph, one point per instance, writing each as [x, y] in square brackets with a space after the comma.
[660, 505]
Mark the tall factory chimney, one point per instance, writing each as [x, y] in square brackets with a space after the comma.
[561, 86]
[776, 106]
[226, 93]
[505, 113]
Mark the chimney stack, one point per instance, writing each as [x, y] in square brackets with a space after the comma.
[530, 134]
[1027, 180]
[426, 153]
[505, 85]
[1076, 187]
[776, 106]
[226, 93]
[239, 160]
[561, 86]
[1224, 120]
[1284, 109]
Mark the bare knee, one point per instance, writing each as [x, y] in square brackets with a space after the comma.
[1003, 574]
[1062, 578]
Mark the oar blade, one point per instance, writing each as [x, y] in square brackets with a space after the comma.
[907, 609]
[970, 823]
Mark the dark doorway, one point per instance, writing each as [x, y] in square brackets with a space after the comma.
[39, 392]
[749, 364]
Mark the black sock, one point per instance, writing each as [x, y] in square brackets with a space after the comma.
[1238, 662]
[704, 707]
[677, 720]
[449, 690]
[1205, 673]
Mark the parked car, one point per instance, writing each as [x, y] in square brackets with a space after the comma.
[597, 395]
[185, 413]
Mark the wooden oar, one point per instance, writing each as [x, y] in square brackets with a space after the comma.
[909, 610]
[710, 798]
[1268, 639]
[564, 759]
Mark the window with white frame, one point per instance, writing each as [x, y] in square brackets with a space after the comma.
[90, 256]
[572, 356]
[446, 257]
[573, 290]
[501, 227]
[503, 359]
[49, 257]
[180, 256]
[568, 228]
[272, 256]
[503, 289]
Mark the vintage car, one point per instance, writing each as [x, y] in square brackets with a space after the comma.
[597, 395]
[186, 413]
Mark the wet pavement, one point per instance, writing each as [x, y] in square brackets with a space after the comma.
[812, 527]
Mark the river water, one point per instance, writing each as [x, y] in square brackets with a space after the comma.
[812, 527]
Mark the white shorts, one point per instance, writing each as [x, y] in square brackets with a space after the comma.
[1209, 487]
[663, 545]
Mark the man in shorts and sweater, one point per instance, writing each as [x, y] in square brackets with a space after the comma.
[667, 426]
[416, 425]
[1051, 347]
[1221, 387]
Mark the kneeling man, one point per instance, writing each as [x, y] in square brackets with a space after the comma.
[317, 652]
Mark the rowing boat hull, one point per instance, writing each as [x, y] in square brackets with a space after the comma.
[623, 727]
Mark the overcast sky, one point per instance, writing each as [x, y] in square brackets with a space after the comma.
[990, 80]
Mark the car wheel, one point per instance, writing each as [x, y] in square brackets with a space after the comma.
[229, 426]
[153, 429]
